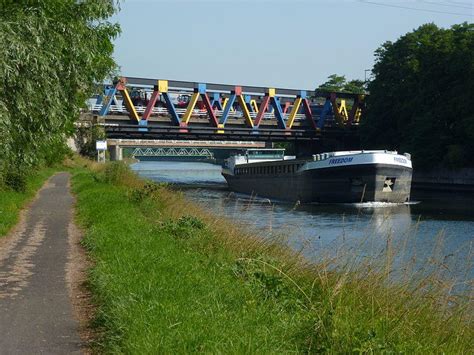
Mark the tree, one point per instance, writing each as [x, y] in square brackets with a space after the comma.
[335, 83]
[355, 87]
[421, 95]
[52, 52]
[338, 83]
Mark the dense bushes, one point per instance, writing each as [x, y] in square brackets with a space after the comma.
[51, 54]
[421, 95]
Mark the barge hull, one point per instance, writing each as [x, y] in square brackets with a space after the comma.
[348, 184]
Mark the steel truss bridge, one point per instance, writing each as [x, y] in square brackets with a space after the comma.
[173, 152]
[139, 108]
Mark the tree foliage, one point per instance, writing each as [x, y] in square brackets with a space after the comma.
[338, 83]
[421, 97]
[51, 54]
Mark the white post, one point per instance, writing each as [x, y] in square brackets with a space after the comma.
[101, 147]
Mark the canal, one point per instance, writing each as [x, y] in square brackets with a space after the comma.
[433, 233]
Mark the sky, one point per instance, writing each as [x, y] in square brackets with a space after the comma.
[292, 44]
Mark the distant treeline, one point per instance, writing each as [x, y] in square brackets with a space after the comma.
[51, 54]
[422, 95]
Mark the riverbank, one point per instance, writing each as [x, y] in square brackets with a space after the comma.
[444, 180]
[169, 276]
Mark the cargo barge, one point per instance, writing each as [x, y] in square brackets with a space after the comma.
[342, 177]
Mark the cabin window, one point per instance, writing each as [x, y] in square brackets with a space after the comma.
[389, 184]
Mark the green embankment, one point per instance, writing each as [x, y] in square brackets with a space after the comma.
[167, 277]
[11, 202]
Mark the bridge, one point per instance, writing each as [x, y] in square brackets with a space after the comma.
[174, 148]
[140, 108]
[201, 153]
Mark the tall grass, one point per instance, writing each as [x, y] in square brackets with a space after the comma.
[170, 276]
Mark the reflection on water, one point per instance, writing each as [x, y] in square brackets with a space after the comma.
[316, 229]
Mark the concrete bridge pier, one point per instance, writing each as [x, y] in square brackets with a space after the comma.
[115, 152]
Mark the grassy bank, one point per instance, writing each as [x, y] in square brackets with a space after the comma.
[11, 202]
[169, 277]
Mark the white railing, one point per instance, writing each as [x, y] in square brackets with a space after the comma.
[175, 142]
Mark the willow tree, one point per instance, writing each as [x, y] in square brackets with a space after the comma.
[421, 96]
[52, 52]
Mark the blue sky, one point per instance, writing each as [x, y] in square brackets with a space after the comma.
[293, 43]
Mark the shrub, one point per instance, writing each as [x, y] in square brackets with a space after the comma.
[16, 179]
[85, 139]
[149, 189]
[117, 173]
[185, 227]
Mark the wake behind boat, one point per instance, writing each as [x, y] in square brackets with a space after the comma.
[343, 176]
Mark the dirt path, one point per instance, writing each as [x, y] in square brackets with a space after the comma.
[40, 266]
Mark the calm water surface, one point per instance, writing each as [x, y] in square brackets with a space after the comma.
[438, 229]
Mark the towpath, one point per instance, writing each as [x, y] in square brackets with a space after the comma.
[36, 313]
